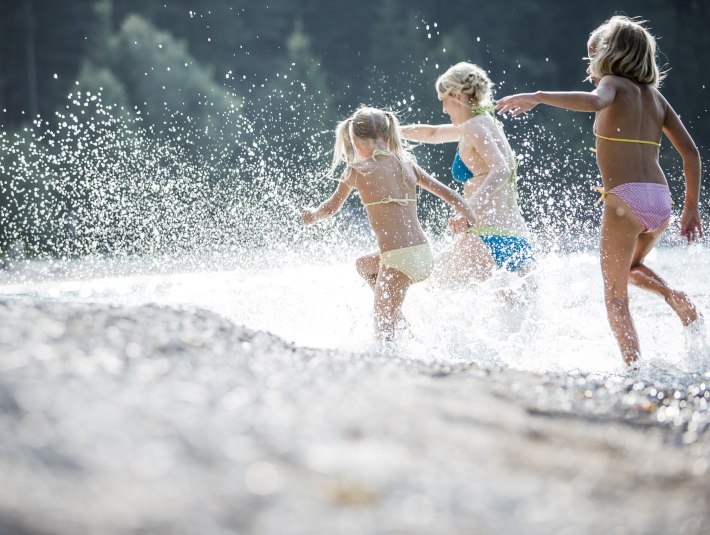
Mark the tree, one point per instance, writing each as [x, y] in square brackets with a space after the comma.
[43, 46]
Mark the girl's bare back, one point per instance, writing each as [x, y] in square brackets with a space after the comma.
[388, 190]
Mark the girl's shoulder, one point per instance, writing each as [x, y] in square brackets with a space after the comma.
[623, 82]
[480, 121]
[633, 89]
[478, 127]
[349, 177]
[365, 167]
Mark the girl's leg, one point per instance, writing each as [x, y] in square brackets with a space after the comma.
[619, 235]
[645, 278]
[368, 267]
[390, 289]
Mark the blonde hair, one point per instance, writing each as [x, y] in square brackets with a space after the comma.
[343, 149]
[622, 46]
[367, 123]
[468, 79]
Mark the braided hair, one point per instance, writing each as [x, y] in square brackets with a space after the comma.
[467, 79]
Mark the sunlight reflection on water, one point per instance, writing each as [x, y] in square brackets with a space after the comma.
[324, 304]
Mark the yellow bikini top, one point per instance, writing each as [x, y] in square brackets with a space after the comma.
[642, 141]
[378, 152]
[386, 200]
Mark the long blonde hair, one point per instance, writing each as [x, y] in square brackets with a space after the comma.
[343, 151]
[622, 46]
[367, 123]
[468, 79]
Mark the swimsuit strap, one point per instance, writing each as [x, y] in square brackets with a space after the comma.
[378, 152]
[657, 144]
[386, 200]
[603, 193]
[480, 109]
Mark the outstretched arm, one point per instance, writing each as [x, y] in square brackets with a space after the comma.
[592, 101]
[330, 206]
[432, 185]
[673, 128]
[425, 133]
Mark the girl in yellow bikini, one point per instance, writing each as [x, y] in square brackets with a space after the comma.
[485, 165]
[631, 115]
[386, 177]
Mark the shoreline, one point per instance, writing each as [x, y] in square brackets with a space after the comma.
[120, 419]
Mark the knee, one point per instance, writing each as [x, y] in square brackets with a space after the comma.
[363, 268]
[635, 273]
[636, 269]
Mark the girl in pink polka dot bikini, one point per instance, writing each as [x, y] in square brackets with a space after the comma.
[631, 114]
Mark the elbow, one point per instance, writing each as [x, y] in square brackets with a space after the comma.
[695, 153]
[690, 154]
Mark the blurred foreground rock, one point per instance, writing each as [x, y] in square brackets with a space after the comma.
[153, 420]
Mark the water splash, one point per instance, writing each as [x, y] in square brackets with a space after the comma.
[206, 213]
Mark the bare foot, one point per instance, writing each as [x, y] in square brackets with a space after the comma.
[683, 306]
[632, 368]
[631, 359]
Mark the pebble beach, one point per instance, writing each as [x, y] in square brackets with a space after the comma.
[172, 420]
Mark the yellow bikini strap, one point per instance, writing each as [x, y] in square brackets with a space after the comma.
[479, 109]
[387, 200]
[602, 193]
[644, 142]
[401, 202]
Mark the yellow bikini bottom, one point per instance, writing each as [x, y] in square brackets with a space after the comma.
[416, 262]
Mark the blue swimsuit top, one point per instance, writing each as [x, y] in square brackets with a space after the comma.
[459, 171]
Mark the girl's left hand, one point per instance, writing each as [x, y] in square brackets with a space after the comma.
[690, 225]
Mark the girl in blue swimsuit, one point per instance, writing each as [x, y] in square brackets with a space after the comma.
[485, 165]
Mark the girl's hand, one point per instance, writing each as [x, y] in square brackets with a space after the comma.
[516, 104]
[309, 216]
[458, 224]
[690, 225]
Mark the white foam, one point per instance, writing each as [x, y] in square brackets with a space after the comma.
[316, 303]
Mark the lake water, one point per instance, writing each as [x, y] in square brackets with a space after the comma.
[316, 299]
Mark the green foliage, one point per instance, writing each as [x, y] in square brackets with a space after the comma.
[162, 77]
[231, 81]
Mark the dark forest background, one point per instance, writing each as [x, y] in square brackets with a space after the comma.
[139, 126]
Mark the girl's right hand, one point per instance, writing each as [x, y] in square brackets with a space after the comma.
[516, 104]
[458, 224]
[690, 225]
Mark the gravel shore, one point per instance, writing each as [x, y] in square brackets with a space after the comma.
[158, 420]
